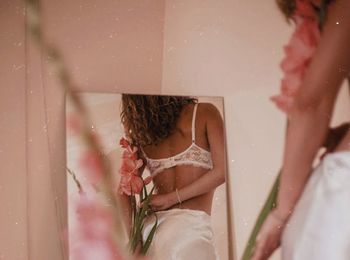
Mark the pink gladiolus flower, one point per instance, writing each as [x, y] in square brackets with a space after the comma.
[130, 166]
[131, 182]
[130, 151]
[130, 185]
[299, 52]
[124, 143]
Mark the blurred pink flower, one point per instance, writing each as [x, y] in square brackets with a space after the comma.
[95, 219]
[91, 163]
[73, 123]
[298, 54]
[92, 236]
[304, 8]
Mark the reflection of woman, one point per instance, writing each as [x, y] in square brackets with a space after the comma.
[319, 212]
[183, 146]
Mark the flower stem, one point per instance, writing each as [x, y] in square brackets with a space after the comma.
[270, 204]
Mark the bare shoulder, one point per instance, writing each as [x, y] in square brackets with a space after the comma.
[214, 129]
[209, 111]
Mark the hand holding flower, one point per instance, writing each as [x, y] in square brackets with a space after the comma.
[163, 201]
[132, 184]
[269, 238]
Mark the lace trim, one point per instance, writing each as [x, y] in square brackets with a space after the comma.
[193, 155]
[194, 164]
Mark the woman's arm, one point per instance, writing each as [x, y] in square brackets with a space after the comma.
[123, 199]
[309, 121]
[214, 177]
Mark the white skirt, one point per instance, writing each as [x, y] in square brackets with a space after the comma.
[319, 228]
[182, 234]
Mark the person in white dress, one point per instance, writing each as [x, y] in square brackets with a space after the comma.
[312, 217]
[182, 144]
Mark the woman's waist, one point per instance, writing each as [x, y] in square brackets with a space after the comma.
[201, 202]
[333, 171]
[195, 207]
[343, 145]
[178, 177]
[196, 204]
[175, 220]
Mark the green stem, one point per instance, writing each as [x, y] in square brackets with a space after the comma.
[268, 206]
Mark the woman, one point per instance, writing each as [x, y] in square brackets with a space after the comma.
[182, 145]
[318, 213]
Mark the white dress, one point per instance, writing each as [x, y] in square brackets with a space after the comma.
[319, 228]
[181, 234]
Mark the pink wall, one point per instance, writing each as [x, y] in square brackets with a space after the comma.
[13, 186]
[232, 49]
[114, 46]
[109, 45]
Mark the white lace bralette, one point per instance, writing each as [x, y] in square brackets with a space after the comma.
[194, 155]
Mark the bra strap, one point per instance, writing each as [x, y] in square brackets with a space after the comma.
[143, 152]
[193, 123]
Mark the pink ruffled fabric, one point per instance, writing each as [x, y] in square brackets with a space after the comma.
[298, 53]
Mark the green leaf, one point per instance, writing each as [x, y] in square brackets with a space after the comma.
[141, 195]
[136, 238]
[268, 206]
[75, 179]
[134, 220]
[138, 224]
[145, 205]
[144, 189]
[150, 237]
[134, 210]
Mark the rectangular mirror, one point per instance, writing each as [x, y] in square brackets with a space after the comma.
[181, 142]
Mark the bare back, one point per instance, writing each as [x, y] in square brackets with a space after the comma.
[182, 175]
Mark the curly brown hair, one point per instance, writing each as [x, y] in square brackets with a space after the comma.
[149, 119]
[288, 6]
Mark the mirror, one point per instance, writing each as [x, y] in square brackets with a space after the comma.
[186, 163]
